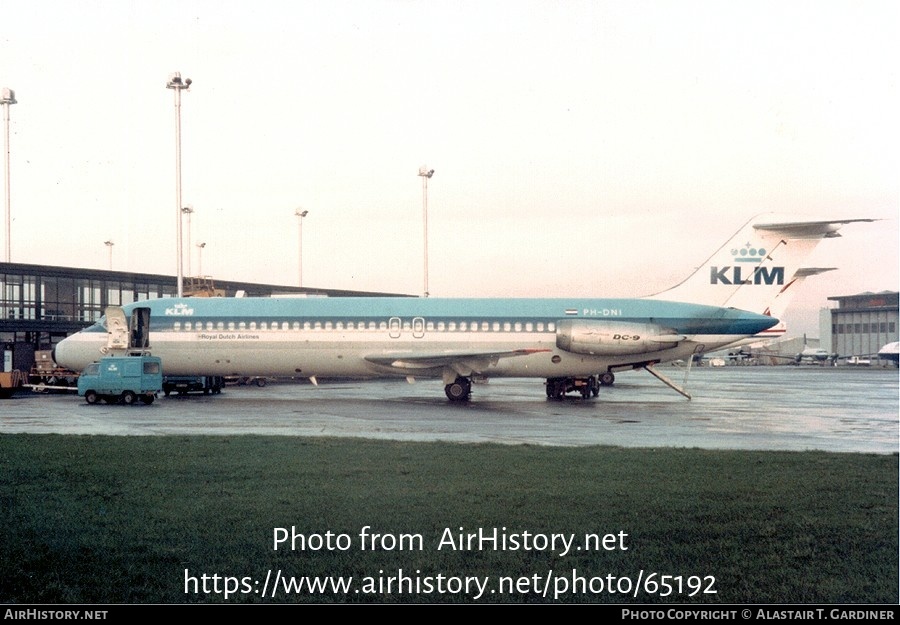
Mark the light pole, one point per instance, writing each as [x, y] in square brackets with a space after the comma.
[109, 244]
[200, 247]
[175, 83]
[300, 215]
[188, 210]
[425, 174]
[8, 97]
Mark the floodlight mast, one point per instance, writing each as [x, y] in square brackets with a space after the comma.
[177, 85]
[425, 174]
[188, 210]
[109, 243]
[300, 213]
[7, 98]
[200, 247]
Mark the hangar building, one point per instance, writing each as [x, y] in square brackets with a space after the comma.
[862, 324]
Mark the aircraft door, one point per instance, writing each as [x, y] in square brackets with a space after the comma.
[418, 327]
[116, 329]
[394, 327]
[139, 329]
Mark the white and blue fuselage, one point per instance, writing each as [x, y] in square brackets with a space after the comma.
[572, 342]
[429, 337]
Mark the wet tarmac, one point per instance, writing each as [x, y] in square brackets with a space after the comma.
[764, 408]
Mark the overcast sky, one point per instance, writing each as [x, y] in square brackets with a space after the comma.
[599, 149]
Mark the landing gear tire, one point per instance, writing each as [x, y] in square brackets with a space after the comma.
[556, 389]
[459, 390]
[590, 387]
[607, 379]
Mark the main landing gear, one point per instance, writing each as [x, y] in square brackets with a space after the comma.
[459, 390]
[557, 388]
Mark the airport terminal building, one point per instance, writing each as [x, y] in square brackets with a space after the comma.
[41, 305]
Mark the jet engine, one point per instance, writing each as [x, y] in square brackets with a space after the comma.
[613, 338]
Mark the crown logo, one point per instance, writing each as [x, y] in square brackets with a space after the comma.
[748, 254]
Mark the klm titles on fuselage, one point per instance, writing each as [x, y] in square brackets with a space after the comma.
[179, 310]
[738, 275]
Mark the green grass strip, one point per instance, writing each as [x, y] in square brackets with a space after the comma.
[97, 519]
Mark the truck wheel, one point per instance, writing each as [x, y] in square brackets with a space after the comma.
[128, 397]
[147, 399]
[91, 397]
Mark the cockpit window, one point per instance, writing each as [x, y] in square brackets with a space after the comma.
[98, 326]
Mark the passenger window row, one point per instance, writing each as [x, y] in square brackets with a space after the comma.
[407, 325]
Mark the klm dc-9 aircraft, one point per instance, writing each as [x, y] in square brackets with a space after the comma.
[575, 344]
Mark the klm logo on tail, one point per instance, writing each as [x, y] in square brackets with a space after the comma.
[736, 274]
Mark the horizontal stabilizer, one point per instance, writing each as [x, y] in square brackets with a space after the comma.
[809, 229]
[805, 272]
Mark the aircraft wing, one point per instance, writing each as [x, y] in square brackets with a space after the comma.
[458, 360]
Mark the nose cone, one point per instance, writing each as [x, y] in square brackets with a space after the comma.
[62, 355]
[77, 351]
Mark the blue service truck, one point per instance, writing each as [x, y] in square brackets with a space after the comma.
[121, 379]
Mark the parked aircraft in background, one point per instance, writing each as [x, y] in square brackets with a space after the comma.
[815, 355]
[808, 355]
[570, 342]
[891, 351]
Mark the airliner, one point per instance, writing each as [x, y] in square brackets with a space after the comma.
[575, 344]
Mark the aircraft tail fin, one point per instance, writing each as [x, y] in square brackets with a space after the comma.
[757, 267]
